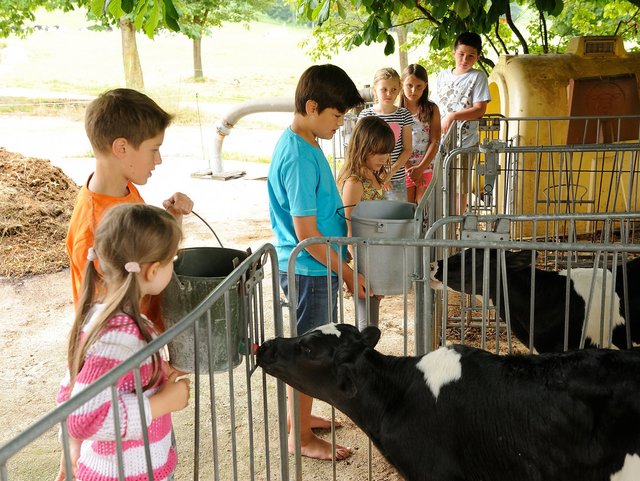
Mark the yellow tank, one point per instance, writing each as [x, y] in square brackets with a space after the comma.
[595, 77]
[537, 85]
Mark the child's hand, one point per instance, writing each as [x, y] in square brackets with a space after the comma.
[170, 370]
[74, 454]
[178, 204]
[445, 123]
[362, 292]
[387, 186]
[416, 175]
[172, 396]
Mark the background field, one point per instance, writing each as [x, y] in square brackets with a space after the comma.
[240, 62]
[57, 69]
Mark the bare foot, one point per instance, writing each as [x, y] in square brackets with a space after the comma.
[320, 449]
[318, 422]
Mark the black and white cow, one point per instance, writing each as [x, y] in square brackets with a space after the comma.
[464, 414]
[550, 295]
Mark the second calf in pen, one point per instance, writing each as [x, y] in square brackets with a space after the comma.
[550, 300]
[462, 414]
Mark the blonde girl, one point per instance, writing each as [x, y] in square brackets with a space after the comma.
[134, 246]
[386, 88]
[425, 132]
[360, 178]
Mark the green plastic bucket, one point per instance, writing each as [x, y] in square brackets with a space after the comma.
[198, 271]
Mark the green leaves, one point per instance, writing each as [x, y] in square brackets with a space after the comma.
[147, 15]
[171, 16]
[461, 7]
[552, 7]
[390, 45]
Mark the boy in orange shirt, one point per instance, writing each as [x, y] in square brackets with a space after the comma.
[126, 129]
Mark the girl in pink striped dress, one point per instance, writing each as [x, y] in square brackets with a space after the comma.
[135, 245]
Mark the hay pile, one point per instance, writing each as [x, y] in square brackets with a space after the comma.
[36, 202]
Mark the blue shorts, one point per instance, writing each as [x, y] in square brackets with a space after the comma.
[314, 300]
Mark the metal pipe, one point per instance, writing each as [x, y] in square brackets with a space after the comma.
[276, 104]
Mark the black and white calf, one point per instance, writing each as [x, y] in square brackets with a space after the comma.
[550, 299]
[463, 414]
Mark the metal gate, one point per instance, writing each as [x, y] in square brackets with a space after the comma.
[235, 425]
[418, 322]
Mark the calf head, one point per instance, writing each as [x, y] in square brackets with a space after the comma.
[469, 266]
[319, 363]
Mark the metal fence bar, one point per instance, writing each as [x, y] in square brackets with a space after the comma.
[434, 247]
[248, 272]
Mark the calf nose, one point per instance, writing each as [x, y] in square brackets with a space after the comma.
[265, 353]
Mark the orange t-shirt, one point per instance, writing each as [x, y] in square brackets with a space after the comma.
[89, 209]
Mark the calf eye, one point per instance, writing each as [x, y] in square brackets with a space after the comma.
[305, 350]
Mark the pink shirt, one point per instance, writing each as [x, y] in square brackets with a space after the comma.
[93, 423]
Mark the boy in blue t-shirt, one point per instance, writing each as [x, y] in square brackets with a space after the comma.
[303, 203]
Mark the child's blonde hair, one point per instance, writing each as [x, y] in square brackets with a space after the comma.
[127, 233]
[371, 136]
[385, 73]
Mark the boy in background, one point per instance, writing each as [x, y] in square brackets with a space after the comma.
[462, 94]
[126, 129]
[304, 202]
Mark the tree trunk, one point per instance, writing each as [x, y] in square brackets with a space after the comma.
[402, 53]
[198, 75]
[130, 58]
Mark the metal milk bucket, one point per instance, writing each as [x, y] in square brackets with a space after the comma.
[384, 219]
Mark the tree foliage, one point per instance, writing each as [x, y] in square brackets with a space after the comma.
[525, 26]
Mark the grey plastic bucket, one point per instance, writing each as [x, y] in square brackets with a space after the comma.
[199, 270]
[384, 219]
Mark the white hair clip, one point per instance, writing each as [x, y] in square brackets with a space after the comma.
[132, 267]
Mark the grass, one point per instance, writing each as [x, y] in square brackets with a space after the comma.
[235, 155]
[239, 63]
[62, 66]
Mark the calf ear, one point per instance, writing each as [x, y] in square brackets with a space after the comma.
[346, 381]
[370, 336]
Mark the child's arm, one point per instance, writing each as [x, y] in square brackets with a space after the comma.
[172, 396]
[403, 158]
[74, 444]
[74, 454]
[474, 112]
[434, 140]
[351, 194]
[307, 227]
[94, 420]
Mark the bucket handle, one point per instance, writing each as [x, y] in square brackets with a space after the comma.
[342, 208]
[207, 224]
[210, 228]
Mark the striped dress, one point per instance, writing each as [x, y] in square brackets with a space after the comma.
[93, 423]
[397, 121]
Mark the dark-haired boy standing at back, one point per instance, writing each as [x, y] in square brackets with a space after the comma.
[303, 203]
[462, 93]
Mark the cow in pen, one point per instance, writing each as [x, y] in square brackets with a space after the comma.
[463, 414]
[604, 322]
